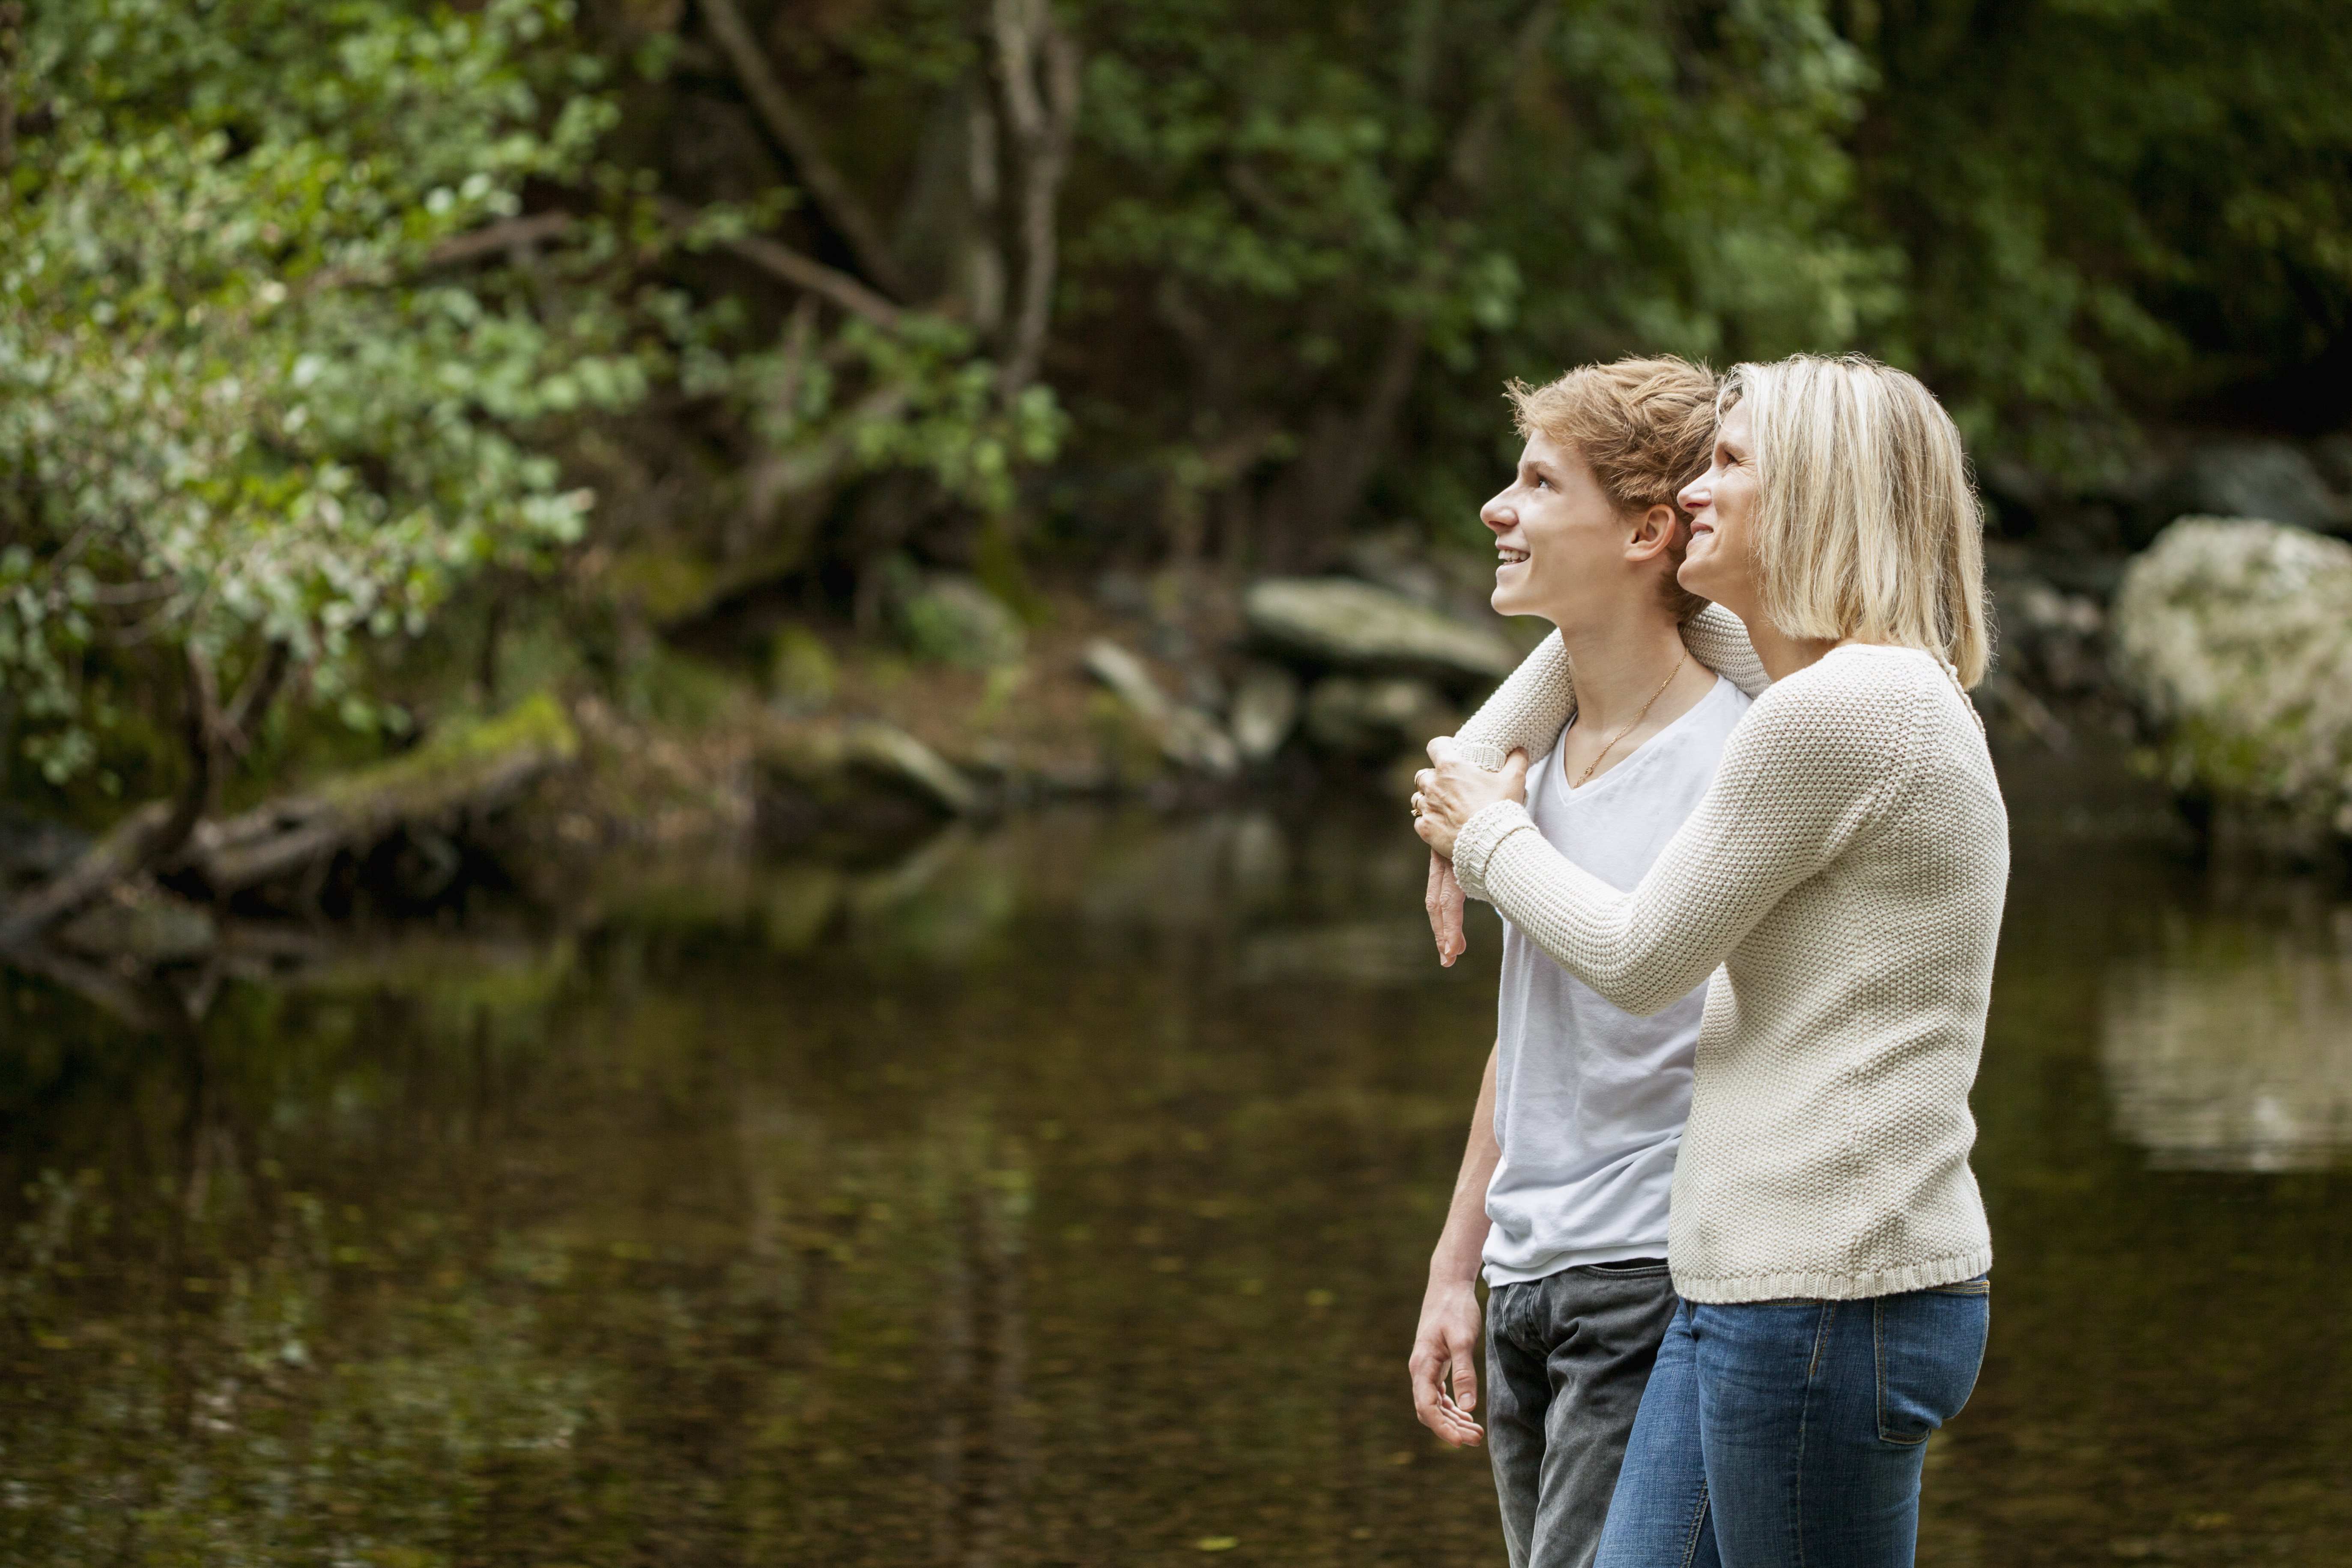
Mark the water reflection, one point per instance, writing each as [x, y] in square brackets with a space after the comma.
[1055, 1194]
[2231, 1048]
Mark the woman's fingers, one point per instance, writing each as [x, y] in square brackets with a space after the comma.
[1515, 775]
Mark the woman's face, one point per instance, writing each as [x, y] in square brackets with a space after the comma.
[1557, 533]
[1722, 505]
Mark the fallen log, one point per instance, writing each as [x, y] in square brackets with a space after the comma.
[462, 770]
[125, 852]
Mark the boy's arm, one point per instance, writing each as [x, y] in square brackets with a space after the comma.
[1445, 1346]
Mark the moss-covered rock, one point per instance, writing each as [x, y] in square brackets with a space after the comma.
[843, 770]
[2234, 637]
[1336, 623]
[955, 620]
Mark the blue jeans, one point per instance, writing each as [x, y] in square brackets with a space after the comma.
[1791, 1434]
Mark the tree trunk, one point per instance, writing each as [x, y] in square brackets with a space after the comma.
[1037, 80]
[1320, 493]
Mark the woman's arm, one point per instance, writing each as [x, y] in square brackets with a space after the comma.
[1528, 713]
[1804, 776]
[1528, 710]
[1719, 639]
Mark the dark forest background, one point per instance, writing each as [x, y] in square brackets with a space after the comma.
[347, 348]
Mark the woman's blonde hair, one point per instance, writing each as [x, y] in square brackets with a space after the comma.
[1868, 525]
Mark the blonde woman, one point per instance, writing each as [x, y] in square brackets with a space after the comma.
[1842, 882]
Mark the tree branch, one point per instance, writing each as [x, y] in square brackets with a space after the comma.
[507, 234]
[254, 696]
[799, 143]
[789, 266]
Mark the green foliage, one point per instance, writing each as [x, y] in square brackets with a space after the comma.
[2113, 211]
[239, 401]
[921, 395]
[1320, 203]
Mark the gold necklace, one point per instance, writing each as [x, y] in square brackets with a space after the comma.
[1610, 744]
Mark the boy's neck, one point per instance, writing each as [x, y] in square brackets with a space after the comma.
[1621, 660]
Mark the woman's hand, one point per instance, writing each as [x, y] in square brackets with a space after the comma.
[1450, 792]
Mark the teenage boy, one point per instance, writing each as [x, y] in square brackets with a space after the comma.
[1563, 1187]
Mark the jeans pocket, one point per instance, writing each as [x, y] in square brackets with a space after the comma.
[1929, 1344]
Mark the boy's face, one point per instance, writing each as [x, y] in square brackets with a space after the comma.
[1559, 536]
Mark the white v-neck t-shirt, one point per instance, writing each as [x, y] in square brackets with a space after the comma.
[1589, 1100]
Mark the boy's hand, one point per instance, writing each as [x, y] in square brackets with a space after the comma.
[1444, 1363]
[1444, 902]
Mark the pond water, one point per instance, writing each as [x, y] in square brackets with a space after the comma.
[1061, 1194]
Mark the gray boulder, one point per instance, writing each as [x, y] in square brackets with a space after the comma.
[1187, 736]
[2254, 478]
[1264, 711]
[1376, 718]
[2234, 638]
[2052, 640]
[840, 766]
[1358, 627]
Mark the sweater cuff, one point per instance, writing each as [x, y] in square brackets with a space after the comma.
[1475, 846]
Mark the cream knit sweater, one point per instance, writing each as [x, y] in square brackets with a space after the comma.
[1845, 873]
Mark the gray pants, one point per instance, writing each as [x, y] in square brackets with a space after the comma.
[1567, 1358]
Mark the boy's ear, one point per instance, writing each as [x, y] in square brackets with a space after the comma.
[1653, 531]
